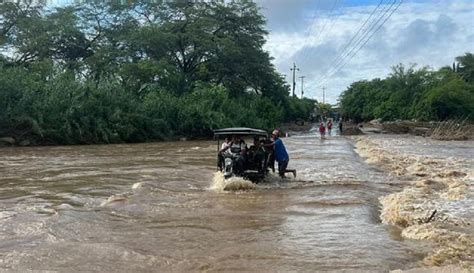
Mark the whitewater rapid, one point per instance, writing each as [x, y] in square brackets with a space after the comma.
[437, 201]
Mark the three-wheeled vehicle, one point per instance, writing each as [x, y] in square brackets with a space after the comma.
[249, 162]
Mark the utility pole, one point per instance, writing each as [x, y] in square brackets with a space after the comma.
[324, 89]
[294, 71]
[302, 82]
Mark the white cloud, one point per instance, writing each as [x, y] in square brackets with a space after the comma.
[427, 33]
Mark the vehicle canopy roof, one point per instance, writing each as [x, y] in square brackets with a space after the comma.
[240, 131]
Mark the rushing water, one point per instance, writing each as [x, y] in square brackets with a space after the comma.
[437, 202]
[155, 207]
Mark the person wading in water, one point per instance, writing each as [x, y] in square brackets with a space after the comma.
[329, 125]
[340, 126]
[281, 155]
[322, 130]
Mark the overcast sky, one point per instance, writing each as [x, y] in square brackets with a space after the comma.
[313, 34]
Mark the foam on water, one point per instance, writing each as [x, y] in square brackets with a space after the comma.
[114, 199]
[64, 206]
[453, 247]
[137, 185]
[219, 183]
[437, 189]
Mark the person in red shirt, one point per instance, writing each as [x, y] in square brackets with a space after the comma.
[329, 127]
[322, 130]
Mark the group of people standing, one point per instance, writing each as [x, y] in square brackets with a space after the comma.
[328, 127]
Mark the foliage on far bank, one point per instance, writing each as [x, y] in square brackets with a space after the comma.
[84, 113]
[410, 93]
[105, 73]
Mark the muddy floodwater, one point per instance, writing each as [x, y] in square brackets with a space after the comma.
[156, 207]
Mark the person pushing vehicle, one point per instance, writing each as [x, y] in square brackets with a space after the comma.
[281, 155]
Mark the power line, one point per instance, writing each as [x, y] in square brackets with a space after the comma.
[364, 43]
[349, 43]
[359, 30]
[361, 33]
[360, 42]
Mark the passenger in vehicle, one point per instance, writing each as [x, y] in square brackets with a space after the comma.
[238, 149]
[256, 155]
[224, 149]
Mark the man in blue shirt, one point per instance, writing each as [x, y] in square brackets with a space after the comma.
[281, 155]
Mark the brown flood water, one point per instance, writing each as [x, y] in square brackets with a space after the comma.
[151, 208]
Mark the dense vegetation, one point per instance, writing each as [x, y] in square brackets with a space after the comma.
[104, 73]
[409, 93]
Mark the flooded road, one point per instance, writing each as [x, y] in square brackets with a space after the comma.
[153, 208]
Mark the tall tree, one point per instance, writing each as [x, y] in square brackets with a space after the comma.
[466, 67]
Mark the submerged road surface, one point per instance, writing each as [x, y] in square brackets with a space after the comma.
[152, 207]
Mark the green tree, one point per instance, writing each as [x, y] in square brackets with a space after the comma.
[452, 98]
[466, 67]
[409, 93]
[105, 73]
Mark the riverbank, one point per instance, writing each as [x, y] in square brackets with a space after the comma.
[436, 203]
[442, 130]
[21, 139]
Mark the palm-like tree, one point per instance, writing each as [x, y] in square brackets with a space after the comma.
[466, 67]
